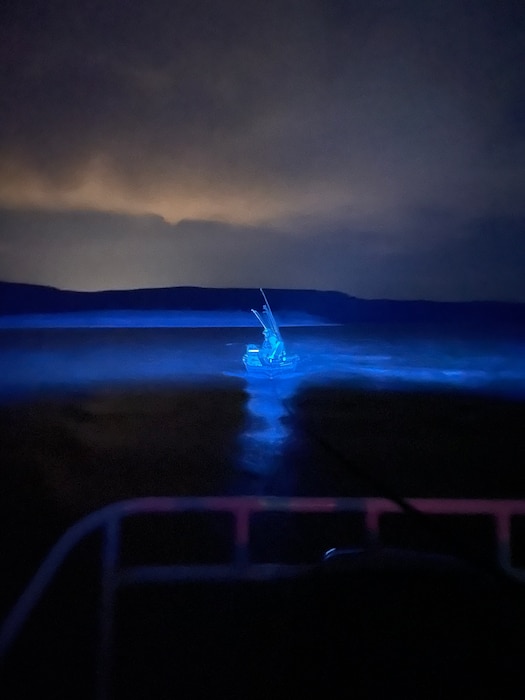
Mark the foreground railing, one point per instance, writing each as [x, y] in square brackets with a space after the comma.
[114, 575]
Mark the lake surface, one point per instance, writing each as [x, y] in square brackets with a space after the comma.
[120, 379]
[375, 356]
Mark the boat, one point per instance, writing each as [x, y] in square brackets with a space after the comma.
[271, 357]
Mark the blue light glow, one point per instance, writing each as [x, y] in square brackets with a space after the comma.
[58, 361]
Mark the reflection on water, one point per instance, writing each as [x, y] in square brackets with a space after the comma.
[266, 431]
[415, 358]
[369, 356]
[377, 357]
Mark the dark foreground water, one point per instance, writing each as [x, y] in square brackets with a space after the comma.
[93, 415]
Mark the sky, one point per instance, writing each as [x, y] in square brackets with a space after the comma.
[375, 147]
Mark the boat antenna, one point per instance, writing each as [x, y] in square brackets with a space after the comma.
[270, 315]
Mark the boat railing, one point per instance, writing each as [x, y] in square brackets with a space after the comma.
[115, 575]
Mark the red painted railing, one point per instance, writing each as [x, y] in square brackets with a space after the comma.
[114, 575]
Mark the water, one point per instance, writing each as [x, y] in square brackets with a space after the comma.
[102, 363]
[368, 356]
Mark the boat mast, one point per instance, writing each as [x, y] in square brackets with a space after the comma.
[273, 325]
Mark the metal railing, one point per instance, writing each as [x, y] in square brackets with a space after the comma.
[114, 575]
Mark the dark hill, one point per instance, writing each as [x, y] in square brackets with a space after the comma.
[332, 306]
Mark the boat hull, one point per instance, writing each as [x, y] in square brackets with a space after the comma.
[255, 367]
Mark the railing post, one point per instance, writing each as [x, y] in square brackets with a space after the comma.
[242, 535]
[109, 586]
[503, 535]
[372, 514]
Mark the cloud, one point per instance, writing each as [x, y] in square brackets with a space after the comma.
[91, 250]
[262, 113]
[338, 144]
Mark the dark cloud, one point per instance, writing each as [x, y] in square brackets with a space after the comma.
[484, 259]
[394, 124]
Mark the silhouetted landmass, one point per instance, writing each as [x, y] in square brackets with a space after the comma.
[331, 306]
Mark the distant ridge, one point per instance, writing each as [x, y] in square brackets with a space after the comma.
[332, 306]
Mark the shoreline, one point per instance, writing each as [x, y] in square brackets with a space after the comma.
[152, 319]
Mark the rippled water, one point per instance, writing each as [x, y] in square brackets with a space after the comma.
[47, 359]
[58, 361]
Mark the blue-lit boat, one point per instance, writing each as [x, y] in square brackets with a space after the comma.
[270, 358]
